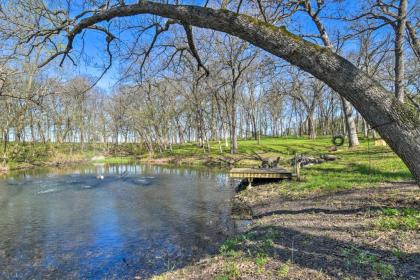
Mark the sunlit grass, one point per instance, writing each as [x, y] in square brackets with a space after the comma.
[366, 165]
[401, 219]
[114, 160]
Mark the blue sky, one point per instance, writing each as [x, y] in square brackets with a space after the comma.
[94, 42]
[94, 50]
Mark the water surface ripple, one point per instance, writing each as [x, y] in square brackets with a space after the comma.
[138, 221]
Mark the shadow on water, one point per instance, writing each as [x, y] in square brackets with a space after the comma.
[138, 221]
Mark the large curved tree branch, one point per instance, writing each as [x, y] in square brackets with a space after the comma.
[397, 123]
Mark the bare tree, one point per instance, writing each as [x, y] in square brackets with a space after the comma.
[397, 123]
[393, 13]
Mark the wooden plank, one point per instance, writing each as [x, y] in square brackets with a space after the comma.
[268, 173]
[259, 170]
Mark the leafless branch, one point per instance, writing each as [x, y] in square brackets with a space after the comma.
[188, 31]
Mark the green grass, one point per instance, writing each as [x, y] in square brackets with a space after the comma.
[261, 259]
[357, 257]
[230, 246]
[283, 270]
[114, 160]
[230, 271]
[399, 219]
[365, 165]
[261, 244]
[25, 155]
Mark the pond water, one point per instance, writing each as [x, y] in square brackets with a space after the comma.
[137, 222]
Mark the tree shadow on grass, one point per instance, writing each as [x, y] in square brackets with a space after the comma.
[336, 258]
[369, 170]
[348, 211]
[363, 169]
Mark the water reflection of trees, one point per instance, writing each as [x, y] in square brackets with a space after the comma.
[122, 225]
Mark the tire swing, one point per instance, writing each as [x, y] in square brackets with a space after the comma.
[338, 140]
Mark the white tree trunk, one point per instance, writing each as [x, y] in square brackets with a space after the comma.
[350, 123]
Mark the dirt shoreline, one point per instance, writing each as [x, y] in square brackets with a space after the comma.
[316, 236]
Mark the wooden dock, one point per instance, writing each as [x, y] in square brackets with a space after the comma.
[263, 173]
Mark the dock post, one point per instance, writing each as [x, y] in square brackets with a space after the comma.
[249, 183]
[298, 171]
[297, 165]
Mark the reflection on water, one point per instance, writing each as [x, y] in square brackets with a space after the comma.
[138, 221]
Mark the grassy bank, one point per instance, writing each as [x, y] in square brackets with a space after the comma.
[365, 165]
[31, 155]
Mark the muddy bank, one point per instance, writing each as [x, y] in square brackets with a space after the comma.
[370, 233]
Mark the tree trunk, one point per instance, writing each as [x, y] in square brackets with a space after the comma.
[225, 134]
[5, 140]
[398, 125]
[254, 127]
[311, 126]
[365, 129]
[350, 124]
[233, 136]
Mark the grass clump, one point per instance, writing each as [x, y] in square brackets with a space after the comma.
[398, 219]
[232, 245]
[357, 257]
[230, 271]
[401, 212]
[402, 223]
[254, 248]
[261, 259]
[283, 270]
